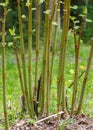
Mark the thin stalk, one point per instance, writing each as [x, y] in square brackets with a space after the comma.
[18, 66]
[30, 55]
[23, 56]
[78, 78]
[85, 79]
[76, 73]
[44, 72]
[20, 74]
[4, 70]
[54, 44]
[37, 46]
[48, 58]
[61, 77]
[77, 48]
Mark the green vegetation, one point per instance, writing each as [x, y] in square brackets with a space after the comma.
[13, 83]
[56, 75]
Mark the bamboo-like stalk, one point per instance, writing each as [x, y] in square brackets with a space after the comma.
[4, 70]
[19, 72]
[54, 43]
[18, 66]
[61, 77]
[37, 46]
[85, 79]
[77, 48]
[30, 55]
[48, 57]
[44, 68]
[23, 56]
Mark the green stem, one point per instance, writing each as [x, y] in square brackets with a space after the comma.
[30, 56]
[54, 44]
[4, 71]
[77, 48]
[85, 79]
[23, 56]
[37, 47]
[18, 66]
[48, 57]
[44, 69]
[61, 77]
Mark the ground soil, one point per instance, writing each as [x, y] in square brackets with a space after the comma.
[81, 122]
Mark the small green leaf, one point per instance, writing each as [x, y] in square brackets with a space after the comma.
[10, 44]
[17, 37]
[12, 31]
[71, 71]
[72, 18]
[58, 10]
[61, 2]
[47, 12]
[82, 15]
[23, 16]
[41, 1]
[54, 23]
[9, 10]
[33, 9]
[74, 7]
[89, 20]
[2, 4]
[33, 30]
[85, 10]
[28, 4]
[77, 21]
[76, 27]
[31, 121]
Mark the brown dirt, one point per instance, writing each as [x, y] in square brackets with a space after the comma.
[81, 122]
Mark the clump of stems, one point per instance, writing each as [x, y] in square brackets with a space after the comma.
[44, 68]
[61, 69]
[23, 58]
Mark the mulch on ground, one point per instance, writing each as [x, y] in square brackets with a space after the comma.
[81, 122]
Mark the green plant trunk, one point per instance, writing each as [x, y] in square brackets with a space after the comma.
[23, 57]
[44, 68]
[61, 77]
[55, 39]
[48, 57]
[76, 73]
[4, 71]
[85, 79]
[37, 46]
[18, 66]
[30, 56]
[77, 48]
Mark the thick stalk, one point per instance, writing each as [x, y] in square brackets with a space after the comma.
[30, 55]
[37, 46]
[61, 87]
[4, 71]
[85, 79]
[23, 56]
